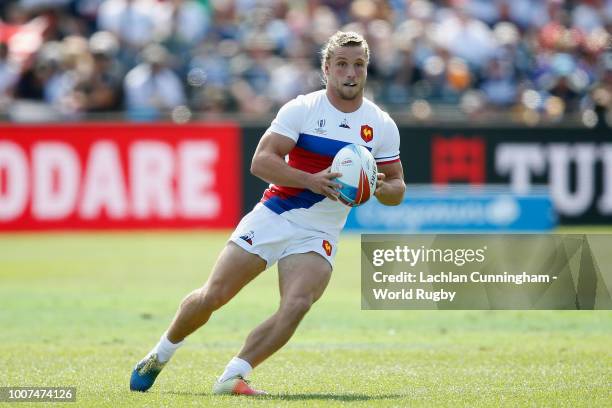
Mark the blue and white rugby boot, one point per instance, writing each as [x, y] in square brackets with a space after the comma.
[145, 373]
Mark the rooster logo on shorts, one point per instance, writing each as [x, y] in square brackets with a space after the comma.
[327, 247]
[248, 237]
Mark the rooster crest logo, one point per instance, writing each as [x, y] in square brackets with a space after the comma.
[367, 133]
[327, 247]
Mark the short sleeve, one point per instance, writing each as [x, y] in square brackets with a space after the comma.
[288, 121]
[388, 151]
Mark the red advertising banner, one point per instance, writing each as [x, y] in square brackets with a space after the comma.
[116, 176]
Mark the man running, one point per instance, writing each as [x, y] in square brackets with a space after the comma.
[299, 219]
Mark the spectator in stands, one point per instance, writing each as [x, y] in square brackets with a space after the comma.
[9, 76]
[33, 4]
[33, 83]
[249, 56]
[185, 24]
[226, 24]
[209, 77]
[526, 14]
[599, 99]
[253, 75]
[133, 22]
[60, 88]
[294, 76]
[500, 85]
[87, 10]
[465, 37]
[589, 15]
[101, 89]
[151, 88]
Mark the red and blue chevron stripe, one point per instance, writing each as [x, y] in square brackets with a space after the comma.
[311, 154]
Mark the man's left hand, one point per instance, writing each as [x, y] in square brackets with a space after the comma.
[380, 184]
[390, 185]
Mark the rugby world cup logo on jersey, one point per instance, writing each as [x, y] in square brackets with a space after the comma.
[327, 247]
[367, 133]
[321, 125]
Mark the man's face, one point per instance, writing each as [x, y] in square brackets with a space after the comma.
[346, 72]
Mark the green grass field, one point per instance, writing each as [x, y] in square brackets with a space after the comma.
[81, 309]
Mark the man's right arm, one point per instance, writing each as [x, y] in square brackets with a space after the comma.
[269, 165]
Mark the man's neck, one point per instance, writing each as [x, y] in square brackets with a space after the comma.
[343, 105]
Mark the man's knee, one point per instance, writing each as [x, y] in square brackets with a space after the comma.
[213, 297]
[294, 308]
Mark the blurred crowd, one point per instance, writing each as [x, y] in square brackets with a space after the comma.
[536, 60]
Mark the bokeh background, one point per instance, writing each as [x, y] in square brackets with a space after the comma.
[126, 133]
[523, 61]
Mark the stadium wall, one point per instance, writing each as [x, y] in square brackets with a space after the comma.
[120, 176]
[115, 176]
[575, 163]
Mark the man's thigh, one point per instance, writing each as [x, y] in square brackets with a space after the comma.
[305, 241]
[234, 268]
[263, 233]
[303, 275]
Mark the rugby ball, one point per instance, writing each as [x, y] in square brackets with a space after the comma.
[359, 173]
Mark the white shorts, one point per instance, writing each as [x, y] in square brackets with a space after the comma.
[273, 237]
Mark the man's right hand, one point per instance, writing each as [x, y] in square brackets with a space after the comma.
[323, 183]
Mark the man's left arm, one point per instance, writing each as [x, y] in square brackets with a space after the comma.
[390, 186]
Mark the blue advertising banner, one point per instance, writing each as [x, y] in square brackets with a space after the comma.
[457, 209]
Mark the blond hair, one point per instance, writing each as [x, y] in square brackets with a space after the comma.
[342, 39]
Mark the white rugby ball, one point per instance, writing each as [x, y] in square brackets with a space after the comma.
[359, 173]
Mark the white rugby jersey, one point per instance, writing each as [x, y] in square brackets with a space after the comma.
[320, 130]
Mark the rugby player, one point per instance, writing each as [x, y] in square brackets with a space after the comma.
[299, 219]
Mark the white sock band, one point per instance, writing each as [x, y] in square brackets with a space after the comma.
[236, 366]
[165, 348]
